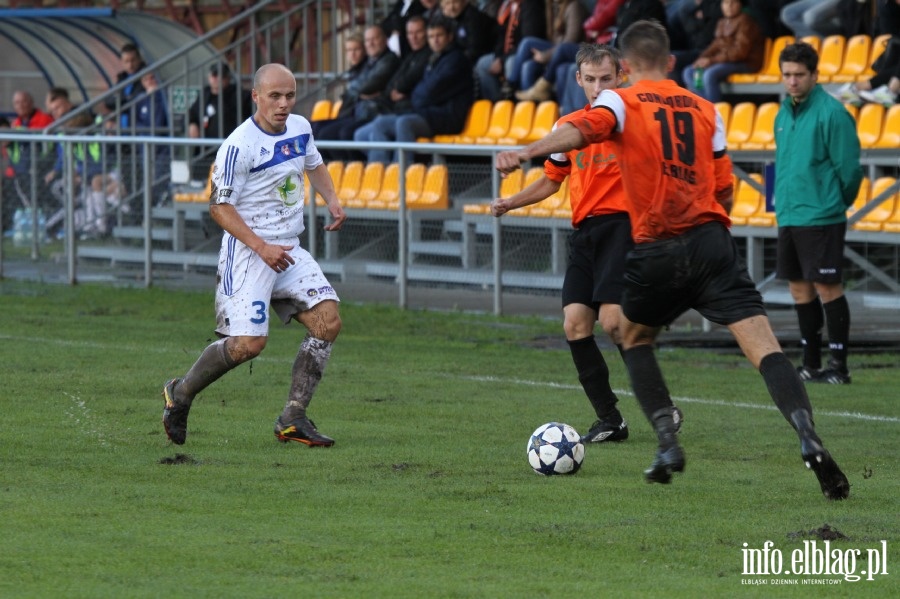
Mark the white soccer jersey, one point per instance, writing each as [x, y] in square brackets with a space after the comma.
[262, 175]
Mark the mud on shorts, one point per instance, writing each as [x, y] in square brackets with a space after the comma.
[813, 254]
[700, 269]
[595, 273]
[246, 286]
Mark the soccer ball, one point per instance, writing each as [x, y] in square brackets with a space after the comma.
[555, 448]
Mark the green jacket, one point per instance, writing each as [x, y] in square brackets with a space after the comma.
[816, 161]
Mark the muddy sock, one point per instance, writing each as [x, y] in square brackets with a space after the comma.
[784, 385]
[307, 372]
[593, 374]
[811, 320]
[837, 317]
[212, 364]
[647, 380]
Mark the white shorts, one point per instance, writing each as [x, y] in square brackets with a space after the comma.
[246, 286]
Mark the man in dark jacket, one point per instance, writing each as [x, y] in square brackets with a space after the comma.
[516, 19]
[476, 32]
[396, 95]
[440, 101]
[132, 62]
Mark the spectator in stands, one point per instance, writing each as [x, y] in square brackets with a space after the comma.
[818, 18]
[884, 87]
[535, 55]
[440, 101]
[695, 22]
[28, 116]
[476, 32]
[221, 106]
[517, 19]
[360, 100]
[818, 178]
[394, 24]
[600, 27]
[152, 118]
[132, 62]
[738, 47]
[411, 70]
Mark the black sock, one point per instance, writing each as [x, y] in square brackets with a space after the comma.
[811, 320]
[593, 373]
[837, 317]
[647, 380]
[784, 385]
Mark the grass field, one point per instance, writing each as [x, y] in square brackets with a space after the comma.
[427, 492]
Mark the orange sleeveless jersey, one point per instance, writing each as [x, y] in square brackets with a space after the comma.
[670, 145]
[595, 182]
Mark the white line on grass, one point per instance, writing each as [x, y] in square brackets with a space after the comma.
[707, 402]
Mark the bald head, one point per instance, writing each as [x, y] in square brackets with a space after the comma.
[266, 73]
[274, 92]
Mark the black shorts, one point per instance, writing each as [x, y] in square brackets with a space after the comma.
[700, 269]
[813, 254]
[595, 273]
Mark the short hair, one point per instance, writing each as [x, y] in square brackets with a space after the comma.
[417, 19]
[220, 69]
[802, 53]
[646, 43]
[356, 37]
[596, 54]
[55, 93]
[129, 48]
[439, 21]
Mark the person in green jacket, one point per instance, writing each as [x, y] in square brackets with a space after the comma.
[817, 161]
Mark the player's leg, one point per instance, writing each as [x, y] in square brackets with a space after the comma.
[828, 281]
[758, 342]
[304, 294]
[811, 319]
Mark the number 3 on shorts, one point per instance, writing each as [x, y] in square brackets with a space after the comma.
[260, 312]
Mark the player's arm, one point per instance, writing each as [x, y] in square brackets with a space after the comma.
[321, 181]
[566, 137]
[541, 189]
[227, 217]
[724, 186]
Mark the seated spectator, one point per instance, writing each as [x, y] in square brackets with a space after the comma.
[152, 118]
[535, 55]
[694, 22]
[411, 70]
[884, 87]
[394, 24]
[218, 110]
[132, 62]
[738, 47]
[363, 93]
[600, 27]
[440, 102]
[476, 32]
[517, 19]
[812, 17]
[20, 154]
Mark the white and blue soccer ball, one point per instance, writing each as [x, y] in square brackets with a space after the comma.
[555, 448]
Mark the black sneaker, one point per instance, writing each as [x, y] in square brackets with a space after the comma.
[835, 374]
[175, 415]
[808, 374]
[666, 462]
[602, 432]
[303, 431]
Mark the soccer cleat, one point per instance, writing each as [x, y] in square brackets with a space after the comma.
[835, 374]
[174, 415]
[602, 432]
[808, 374]
[666, 462]
[833, 482]
[302, 430]
[879, 95]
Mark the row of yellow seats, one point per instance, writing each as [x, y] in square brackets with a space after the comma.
[750, 205]
[555, 206]
[841, 59]
[752, 127]
[324, 110]
[377, 186]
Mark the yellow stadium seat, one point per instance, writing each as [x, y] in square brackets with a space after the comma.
[741, 125]
[321, 111]
[892, 224]
[747, 201]
[370, 186]
[545, 208]
[763, 134]
[869, 124]
[890, 133]
[336, 170]
[853, 109]
[532, 175]
[498, 124]
[520, 125]
[812, 40]
[875, 220]
[512, 184]
[762, 217]
[350, 182]
[389, 194]
[831, 57]
[856, 59]
[878, 46]
[336, 108]
[545, 116]
[771, 71]
[476, 123]
[724, 110]
[862, 197]
[196, 196]
[435, 190]
[413, 182]
[751, 77]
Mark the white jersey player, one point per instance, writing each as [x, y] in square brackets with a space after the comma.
[257, 198]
